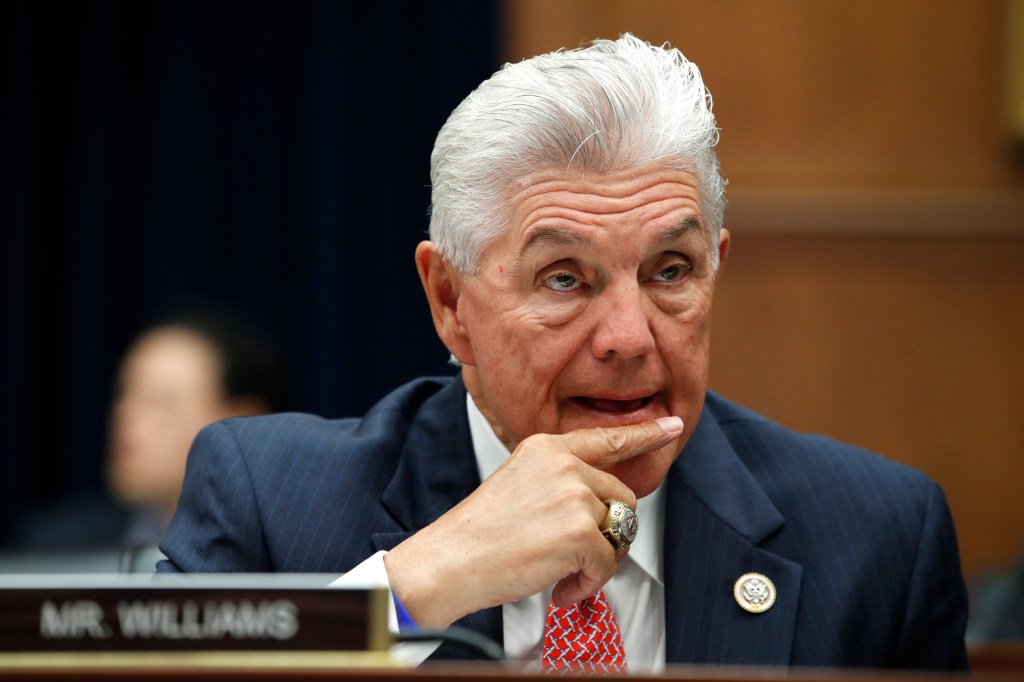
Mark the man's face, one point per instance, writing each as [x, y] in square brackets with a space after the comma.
[593, 309]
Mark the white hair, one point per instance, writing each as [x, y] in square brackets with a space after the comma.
[621, 103]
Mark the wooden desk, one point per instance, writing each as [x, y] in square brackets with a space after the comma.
[485, 673]
[992, 662]
[997, 657]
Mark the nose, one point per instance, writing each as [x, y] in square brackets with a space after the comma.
[622, 328]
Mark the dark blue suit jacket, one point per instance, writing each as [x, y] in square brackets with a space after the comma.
[862, 550]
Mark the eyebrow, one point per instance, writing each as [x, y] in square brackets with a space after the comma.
[564, 237]
[682, 227]
[554, 235]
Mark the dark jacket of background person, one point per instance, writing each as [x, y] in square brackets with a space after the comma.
[160, 155]
[179, 375]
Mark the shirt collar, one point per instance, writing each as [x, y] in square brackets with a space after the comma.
[645, 551]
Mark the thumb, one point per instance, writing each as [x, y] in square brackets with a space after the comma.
[574, 588]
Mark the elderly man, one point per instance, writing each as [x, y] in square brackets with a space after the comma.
[576, 237]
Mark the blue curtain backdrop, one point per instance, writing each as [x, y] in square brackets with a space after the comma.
[269, 157]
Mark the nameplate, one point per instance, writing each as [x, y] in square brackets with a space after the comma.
[207, 613]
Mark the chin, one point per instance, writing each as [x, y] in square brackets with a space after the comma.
[643, 474]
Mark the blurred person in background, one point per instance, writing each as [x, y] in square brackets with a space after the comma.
[997, 606]
[177, 376]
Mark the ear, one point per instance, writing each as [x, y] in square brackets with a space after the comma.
[444, 286]
[724, 240]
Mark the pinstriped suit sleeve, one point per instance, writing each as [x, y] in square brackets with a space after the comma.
[936, 607]
[216, 527]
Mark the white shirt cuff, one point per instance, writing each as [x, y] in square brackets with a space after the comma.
[372, 573]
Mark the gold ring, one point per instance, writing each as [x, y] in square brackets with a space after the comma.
[620, 524]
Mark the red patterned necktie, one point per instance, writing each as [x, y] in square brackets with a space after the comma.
[583, 638]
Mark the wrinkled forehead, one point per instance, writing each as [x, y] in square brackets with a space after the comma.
[547, 205]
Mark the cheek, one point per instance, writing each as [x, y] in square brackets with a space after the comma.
[692, 313]
[505, 329]
[520, 365]
[488, 313]
[684, 338]
[525, 361]
[684, 342]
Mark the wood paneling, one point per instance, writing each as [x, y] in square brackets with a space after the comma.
[908, 346]
[874, 91]
[1013, 78]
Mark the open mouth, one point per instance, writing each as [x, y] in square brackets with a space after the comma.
[613, 406]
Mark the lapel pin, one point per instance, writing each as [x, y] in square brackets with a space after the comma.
[754, 592]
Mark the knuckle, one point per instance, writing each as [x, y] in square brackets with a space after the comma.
[544, 448]
[542, 441]
[561, 463]
[532, 443]
[580, 530]
[578, 493]
[615, 440]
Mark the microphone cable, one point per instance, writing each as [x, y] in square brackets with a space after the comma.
[464, 638]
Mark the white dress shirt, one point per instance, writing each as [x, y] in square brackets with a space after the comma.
[636, 592]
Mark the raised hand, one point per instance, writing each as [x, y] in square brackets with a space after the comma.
[533, 523]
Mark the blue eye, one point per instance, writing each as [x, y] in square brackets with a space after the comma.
[671, 273]
[563, 281]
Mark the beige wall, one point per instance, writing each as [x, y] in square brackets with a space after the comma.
[875, 292]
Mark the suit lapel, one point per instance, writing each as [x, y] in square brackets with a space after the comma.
[719, 525]
[436, 471]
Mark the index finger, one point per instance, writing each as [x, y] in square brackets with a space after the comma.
[603, 446]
